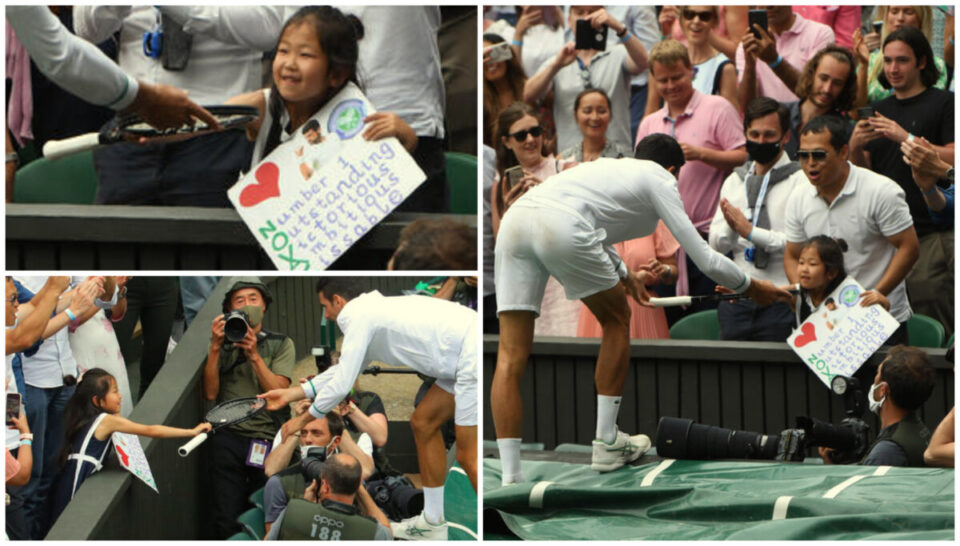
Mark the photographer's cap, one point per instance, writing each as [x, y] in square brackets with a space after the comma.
[251, 283]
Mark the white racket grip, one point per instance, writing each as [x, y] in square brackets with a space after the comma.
[186, 448]
[671, 302]
[55, 149]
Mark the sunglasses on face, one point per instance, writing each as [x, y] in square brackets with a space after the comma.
[12, 299]
[817, 155]
[705, 16]
[520, 136]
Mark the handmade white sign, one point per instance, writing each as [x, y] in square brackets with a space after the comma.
[315, 195]
[131, 456]
[841, 335]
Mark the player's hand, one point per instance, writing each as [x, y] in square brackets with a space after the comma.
[662, 272]
[871, 297]
[766, 293]
[276, 399]
[634, 285]
[826, 453]
[201, 428]
[164, 107]
[217, 331]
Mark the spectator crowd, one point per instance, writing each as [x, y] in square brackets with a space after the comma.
[794, 122]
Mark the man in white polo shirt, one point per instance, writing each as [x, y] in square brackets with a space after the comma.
[869, 211]
[567, 229]
[437, 338]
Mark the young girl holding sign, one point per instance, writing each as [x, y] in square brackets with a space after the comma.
[316, 57]
[821, 271]
[91, 416]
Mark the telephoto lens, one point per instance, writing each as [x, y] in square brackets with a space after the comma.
[684, 439]
[236, 324]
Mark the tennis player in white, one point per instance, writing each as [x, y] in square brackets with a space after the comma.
[566, 228]
[437, 338]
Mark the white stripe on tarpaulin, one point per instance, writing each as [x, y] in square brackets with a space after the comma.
[458, 469]
[780, 507]
[845, 484]
[882, 470]
[537, 492]
[652, 475]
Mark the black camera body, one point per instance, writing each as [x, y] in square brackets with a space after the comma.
[235, 326]
[396, 496]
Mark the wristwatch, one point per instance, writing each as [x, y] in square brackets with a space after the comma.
[13, 157]
[623, 32]
[949, 175]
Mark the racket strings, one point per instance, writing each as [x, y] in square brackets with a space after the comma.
[235, 410]
[225, 121]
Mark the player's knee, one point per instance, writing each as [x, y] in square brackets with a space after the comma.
[422, 423]
[467, 460]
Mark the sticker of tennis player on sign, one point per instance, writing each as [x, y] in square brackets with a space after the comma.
[317, 194]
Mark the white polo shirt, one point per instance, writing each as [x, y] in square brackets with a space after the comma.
[724, 239]
[870, 208]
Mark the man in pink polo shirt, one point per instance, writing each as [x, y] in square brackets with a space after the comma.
[708, 129]
[780, 54]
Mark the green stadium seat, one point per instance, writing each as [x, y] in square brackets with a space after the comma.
[241, 536]
[462, 181]
[950, 341]
[252, 522]
[257, 498]
[924, 331]
[71, 180]
[701, 325]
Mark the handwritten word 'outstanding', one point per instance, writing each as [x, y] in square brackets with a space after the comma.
[856, 339]
[336, 210]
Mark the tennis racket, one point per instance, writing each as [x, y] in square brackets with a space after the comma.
[689, 300]
[131, 128]
[228, 413]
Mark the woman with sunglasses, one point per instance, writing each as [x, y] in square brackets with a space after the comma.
[519, 138]
[713, 72]
[729, 24]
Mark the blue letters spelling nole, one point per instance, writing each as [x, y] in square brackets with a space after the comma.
[329, 216]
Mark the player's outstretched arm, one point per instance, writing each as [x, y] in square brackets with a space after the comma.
[765, 292]
[279, 398]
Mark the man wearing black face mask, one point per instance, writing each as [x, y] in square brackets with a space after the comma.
[749, 221]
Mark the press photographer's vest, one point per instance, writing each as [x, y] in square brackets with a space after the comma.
[293, 482]
[329, 520]
[910, 434]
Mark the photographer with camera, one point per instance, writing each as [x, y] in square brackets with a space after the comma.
[327, 511]
[903, 383]
[244, 360]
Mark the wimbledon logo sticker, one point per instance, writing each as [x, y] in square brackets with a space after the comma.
[346, 120]
[849, 295]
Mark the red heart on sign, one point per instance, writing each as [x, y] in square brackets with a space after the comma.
[808, 334]
[265, 188]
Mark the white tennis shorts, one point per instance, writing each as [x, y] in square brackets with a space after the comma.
[536, 242]
[464, 386]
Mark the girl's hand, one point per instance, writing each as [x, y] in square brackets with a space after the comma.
[872, 40]
[201, 428]
[20, 423]
[871, 297]
[387, 124]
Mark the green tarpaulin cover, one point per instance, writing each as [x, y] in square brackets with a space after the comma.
[460, 505]
[722, 500]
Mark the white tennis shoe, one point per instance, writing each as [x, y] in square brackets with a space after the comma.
[418, 528]
[625, 449]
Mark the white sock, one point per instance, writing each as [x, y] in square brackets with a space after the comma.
[608, 407]
[433, 505]
[510, 460]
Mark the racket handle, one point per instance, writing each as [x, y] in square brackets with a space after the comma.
[55, 149]
[671, 302]
[186, 448]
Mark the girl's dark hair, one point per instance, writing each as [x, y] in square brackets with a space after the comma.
[80, 410]
[338, 34]
[584, 93]
[831, 254]
[915, 39]
[505, 156]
